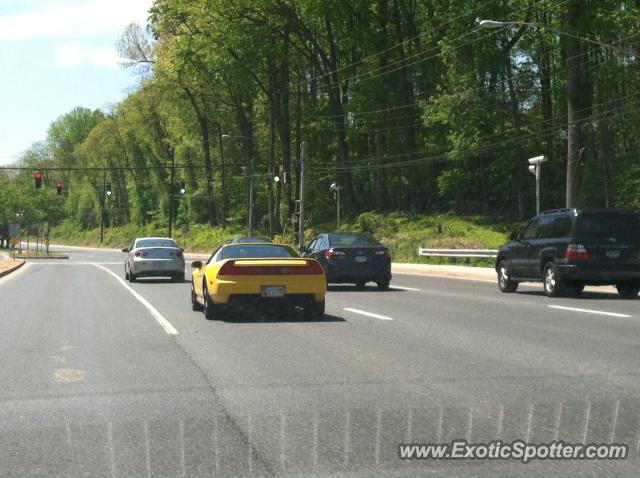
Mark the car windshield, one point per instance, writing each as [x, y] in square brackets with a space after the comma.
[155, 243]
[248, 251]
[355, 240]
[604, 226]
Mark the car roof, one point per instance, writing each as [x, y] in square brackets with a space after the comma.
[155, 238]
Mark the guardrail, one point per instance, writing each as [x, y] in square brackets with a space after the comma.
[463, 253]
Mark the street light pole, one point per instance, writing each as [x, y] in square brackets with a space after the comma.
[535, 167]
[337, 188]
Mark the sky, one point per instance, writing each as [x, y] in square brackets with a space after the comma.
[56, 55]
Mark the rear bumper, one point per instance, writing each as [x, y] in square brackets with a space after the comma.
[337, 274]
[592, 274]
[157, 267]
[249, 288]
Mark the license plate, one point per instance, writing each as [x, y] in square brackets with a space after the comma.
[272, 291]
[361, 259]
[615, 254]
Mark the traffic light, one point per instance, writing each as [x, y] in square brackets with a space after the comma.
[59, 187]
[183, 188]
[108, 190]
[38, 180]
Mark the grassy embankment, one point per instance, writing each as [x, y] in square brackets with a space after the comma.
[401, 233]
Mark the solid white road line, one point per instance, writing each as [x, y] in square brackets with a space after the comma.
[367, 314]
[589, 311]
[164, 323]
[401, 287]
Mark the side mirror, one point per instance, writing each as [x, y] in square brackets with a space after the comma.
[125, 250]
[514, 236]
[196, 264]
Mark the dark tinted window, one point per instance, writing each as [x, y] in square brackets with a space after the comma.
[249, 239]
[248, 251]
[530, 230]
[561, 226]
[604, 226]
[352, 240]
[156, 243]
[545, 227]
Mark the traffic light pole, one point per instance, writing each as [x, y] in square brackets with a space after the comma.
[171, 185]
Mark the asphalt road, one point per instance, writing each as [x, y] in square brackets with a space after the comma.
[103, 378]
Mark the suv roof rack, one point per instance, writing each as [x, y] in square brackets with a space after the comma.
[555, 211]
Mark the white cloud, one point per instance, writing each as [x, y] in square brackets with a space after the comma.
[71, 54]
[73, 19]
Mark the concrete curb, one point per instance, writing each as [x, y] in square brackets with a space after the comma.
[41, 258]
[18, 265]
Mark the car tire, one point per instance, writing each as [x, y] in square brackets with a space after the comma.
[574, 289]
[195, 305]
[383, 284]
[180, 277]
[126, 273]
[314, 311]
[628, 290]
[210, 309]
[132, 277]
[553, 285]
[505, 284]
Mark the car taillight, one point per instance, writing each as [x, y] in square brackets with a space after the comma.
[179, 254]
[332, 255]
[145, 254]
[576, 252]
[232, 269]
[137, 254]
[382, 254]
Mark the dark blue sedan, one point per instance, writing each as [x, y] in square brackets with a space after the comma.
[354, 258]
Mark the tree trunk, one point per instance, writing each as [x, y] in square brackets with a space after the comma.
[574, 77]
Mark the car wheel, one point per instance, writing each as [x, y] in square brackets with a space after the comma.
[553, 285]
[126, 273]
[180, 277]
[195, 305]
[628, 290]
[574, 289]
[383, 284]
[505, 284]
[211, 310]
[361, 285]
[314, 311]
[132, 276]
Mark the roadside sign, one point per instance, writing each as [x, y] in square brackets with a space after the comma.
[33, 230]
[14, 230]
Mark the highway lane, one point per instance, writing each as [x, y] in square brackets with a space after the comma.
[91, 371]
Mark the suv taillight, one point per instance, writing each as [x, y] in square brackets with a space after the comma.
[331, 254]
[576, 252]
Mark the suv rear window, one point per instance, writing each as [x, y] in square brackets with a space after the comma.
[601, 226]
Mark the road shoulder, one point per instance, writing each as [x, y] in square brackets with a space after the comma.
[8, 265]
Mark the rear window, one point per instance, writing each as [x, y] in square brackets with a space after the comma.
[356, 240]
[248, 251]
[155, 243]
[604, 226]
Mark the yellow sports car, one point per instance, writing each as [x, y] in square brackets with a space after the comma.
[271, 274]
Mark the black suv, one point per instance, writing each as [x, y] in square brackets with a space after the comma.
[567, 249]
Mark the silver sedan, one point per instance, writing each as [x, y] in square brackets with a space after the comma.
[154, 257]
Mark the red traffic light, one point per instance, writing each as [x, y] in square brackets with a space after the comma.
[38, 180]
[59, 187]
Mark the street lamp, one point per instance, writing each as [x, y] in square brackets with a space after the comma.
[535, 168]
[336, 188]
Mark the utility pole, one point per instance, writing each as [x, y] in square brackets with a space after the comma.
[303, 152]
[173, 173]
[102, 203]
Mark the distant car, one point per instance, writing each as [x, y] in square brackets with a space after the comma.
[351, 258]
[567, 249]
[249, 240]
[154, 257]
[258, 274]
